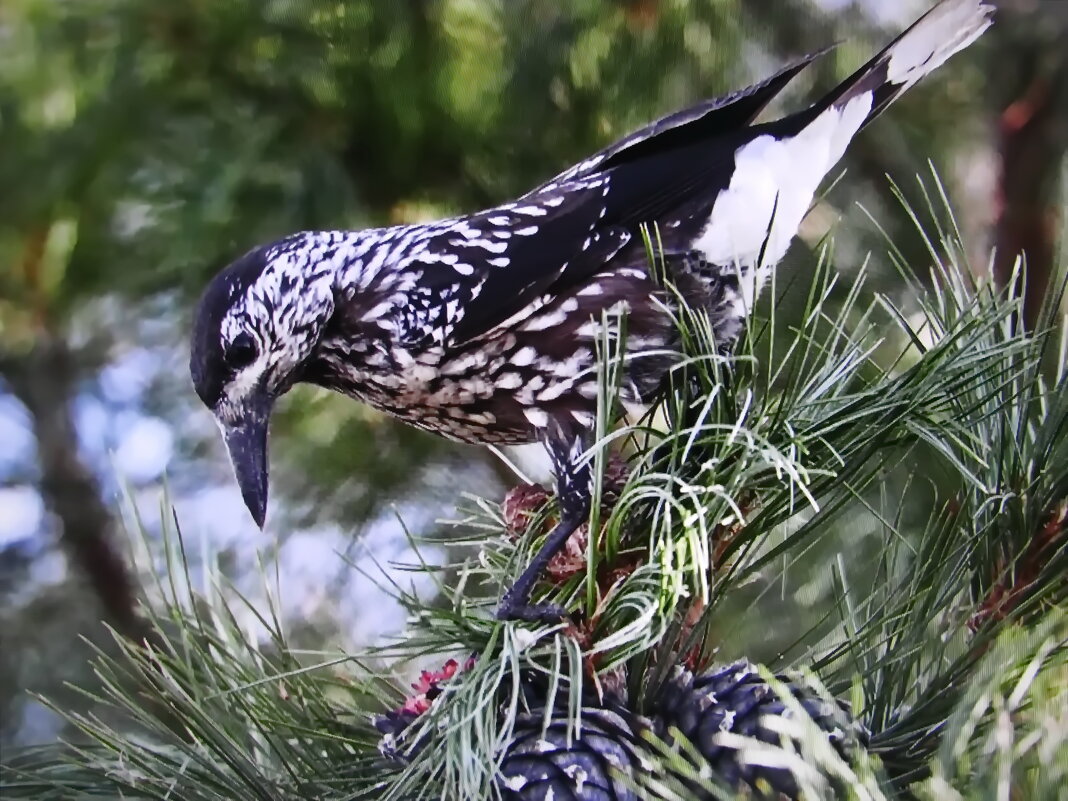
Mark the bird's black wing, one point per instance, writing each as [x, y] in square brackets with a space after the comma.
[476, 272]
[473, 273]
[467, 276]
[697, 123]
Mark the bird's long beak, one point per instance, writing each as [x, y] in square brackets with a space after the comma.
[247, 443]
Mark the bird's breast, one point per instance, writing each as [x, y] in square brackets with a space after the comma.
[504, 385]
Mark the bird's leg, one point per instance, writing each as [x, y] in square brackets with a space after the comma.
[565, 446]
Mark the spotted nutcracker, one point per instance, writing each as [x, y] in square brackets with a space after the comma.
[483, 328]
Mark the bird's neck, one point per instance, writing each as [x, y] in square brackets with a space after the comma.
[354, 268]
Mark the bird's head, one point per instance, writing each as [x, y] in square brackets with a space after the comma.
[257, 323]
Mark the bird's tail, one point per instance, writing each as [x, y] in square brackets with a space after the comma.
[928, 43]
[776, 176]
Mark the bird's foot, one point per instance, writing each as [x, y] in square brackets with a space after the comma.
[516, 605]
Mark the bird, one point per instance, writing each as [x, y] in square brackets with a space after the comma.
[483, 327]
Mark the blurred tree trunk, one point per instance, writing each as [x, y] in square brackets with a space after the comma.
[44, 379]
[1031, 103]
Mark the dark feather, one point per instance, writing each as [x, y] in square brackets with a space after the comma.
[695, 124]
[537, 264]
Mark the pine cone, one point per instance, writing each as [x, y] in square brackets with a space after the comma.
[394, 724]
[611, 752]
[734, 698]
[542, 765]
[520, 504]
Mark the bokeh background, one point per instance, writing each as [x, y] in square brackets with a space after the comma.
[143, 145]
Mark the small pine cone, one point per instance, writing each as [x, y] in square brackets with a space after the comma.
[542, 765]
[616, 472]
[520, 504]
[735, 699]
[608, 759]
[571, 559]
[394, 724]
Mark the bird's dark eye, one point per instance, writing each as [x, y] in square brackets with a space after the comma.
[241, 352]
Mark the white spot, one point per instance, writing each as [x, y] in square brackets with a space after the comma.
[586, 419]
[530, 230]
[573, 365]
[499, 220]
[503, 261]
[525, 393]
[375, 264]
[434, 258]
[638, 344]
[378, 311]
[486, 244]
[546, 320]
[553, 201]
[590, 329]
[531, 211]
[403, 358]
[554, 390]
[476, 386]
[464, 364]
[422, 373]
[523, 357]
[536, 417]
[509, 381]
[591, 290]
[520, 315]
[463, 269]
